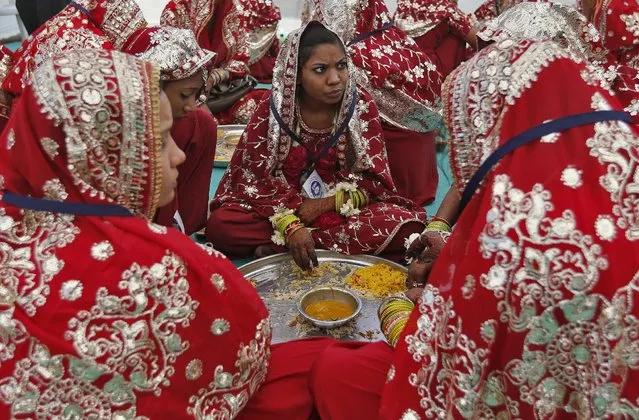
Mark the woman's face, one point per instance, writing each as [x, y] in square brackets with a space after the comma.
[172, 155]
[324, 76]
[183, 94]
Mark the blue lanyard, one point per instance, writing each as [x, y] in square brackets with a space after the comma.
[51, 206]
[369, 34]
[533, 134]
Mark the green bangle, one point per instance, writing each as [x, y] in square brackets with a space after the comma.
[438, 226]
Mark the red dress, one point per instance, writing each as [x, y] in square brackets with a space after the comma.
[243, 34]
[106, 26]
[404, 82]
[531, 310]
[263, 178]
[109, 315]
[179, 56]
[438, 27]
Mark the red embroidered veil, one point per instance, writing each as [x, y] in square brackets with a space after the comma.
[103, 316]
[531, 310]
[101, 24]
[243, 32]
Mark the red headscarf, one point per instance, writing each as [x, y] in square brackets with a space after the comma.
[404, 81]
[417, 17]
[255, 178]
[111, 316]
[174, 50]
[532, 306]
[241, 35]
[101, 24]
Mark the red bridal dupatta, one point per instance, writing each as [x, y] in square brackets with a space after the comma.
[570, 29]
[618, 23]
[404, 81]
[256, 179]
[438, 27]
[100, 24]
[418, 17]
[241, 35]
[110, 316]
[531, 311]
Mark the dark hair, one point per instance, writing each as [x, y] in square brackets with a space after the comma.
[314, 35]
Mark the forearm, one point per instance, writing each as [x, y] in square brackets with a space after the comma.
[449, 209]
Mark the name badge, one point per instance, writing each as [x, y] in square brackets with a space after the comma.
[314, 186]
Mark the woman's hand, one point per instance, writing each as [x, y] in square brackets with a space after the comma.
[302, 247]
[414, 294]
[310, 210]
[216, 77]
[424, 251]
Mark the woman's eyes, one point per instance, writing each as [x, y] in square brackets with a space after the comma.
[340, 66]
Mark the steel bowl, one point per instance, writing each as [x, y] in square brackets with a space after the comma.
[332, 293]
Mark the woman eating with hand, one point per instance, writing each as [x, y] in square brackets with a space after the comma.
[311, 168]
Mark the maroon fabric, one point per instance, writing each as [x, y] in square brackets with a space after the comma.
[449, 48]
[412, 158]
[237, 232]
[196, 135]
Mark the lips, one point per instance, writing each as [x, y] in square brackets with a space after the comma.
[335, 93]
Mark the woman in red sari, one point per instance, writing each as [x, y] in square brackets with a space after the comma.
[618, 23]
[185, 68]
[531, 310]
[105, 314]
[243, 34]
[311, 169]
[438, 27]
[100, 24]
[404, 82]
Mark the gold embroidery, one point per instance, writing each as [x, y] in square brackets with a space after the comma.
[218, 282]
[229, 392]
[102, 251]
[11, 139]
[71, 290]
[144, 343]
[54, 190]
[485, 103]
[220, 327]
[50, 147]
[572, 177]
[193, 370]
[571, 360]
[28, 260]
[86, 111]
[615, 147]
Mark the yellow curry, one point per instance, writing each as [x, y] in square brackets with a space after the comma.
[329, 310]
